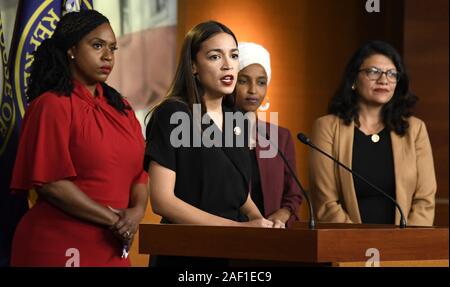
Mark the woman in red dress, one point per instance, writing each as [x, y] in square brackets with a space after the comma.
[81, 149]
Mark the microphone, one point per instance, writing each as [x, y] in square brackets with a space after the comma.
[304, 139]
[312, 220]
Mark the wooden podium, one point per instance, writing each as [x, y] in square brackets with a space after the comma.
[328, 244]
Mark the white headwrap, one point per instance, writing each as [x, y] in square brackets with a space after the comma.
[252, 53]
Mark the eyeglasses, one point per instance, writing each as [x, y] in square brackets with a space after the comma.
[374, 74]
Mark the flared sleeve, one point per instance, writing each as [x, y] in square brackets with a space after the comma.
[43, 154]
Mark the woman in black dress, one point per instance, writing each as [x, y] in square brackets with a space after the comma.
[191, 180]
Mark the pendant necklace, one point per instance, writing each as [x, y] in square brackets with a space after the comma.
[375, 138]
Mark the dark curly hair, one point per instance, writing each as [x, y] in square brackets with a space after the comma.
[50, 69]
[395, 113]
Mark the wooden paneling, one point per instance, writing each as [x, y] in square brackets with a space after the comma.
[426, 57]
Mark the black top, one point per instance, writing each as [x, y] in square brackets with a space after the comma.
[214, 179]
[256, 192]
[374, 162]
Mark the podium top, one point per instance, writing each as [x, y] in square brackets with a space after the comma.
[331, 225]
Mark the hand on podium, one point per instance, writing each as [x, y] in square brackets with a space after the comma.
[265, 223]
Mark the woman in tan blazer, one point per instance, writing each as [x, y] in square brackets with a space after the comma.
[370, 129]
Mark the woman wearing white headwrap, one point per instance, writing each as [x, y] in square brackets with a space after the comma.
[273, 188]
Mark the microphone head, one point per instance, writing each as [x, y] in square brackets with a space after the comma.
[303, 138]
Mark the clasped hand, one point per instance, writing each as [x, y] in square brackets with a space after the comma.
[126, 227]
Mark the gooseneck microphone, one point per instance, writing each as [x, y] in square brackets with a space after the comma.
[312, 220]
[304, 139]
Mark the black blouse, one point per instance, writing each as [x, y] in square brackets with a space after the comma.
[375, 162]
[214, 179]
[256, 192]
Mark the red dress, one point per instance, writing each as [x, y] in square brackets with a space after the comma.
[87, 141]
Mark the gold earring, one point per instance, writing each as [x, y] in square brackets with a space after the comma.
[353, 87]
[72, 57]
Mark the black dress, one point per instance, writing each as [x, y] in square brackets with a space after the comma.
[375, 162]
[213, 179]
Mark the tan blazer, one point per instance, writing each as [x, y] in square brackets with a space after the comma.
[332, 190]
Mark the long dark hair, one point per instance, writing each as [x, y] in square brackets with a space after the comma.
[395, 113]
[50, 69]
[185, 87]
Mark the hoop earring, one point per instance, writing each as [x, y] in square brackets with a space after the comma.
[264, 107]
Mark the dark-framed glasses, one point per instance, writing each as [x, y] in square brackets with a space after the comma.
[374, 74]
